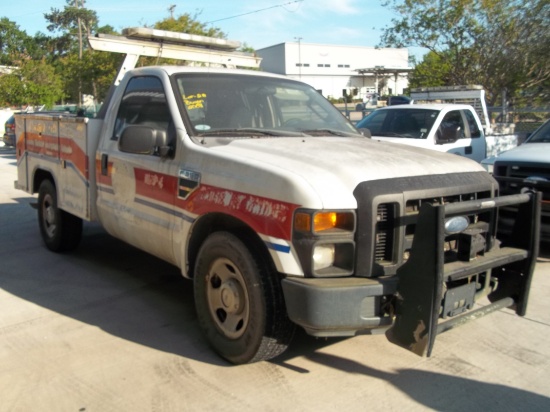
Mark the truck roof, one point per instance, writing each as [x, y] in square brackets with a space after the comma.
[430, 106]
[170, 70]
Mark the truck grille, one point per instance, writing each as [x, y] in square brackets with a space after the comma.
[514, 178]
[388, 209]
[395, 234]
[385, 217]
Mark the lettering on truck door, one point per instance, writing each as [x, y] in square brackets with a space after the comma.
[137, 172]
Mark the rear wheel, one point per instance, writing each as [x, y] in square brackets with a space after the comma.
[60, 230]
[239, 301]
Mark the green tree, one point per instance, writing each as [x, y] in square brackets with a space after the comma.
[43, 85]
[246, 48]
[12, 90]
[84, 71]
[515, 46]
[187, 23]
[434, 70]
[16, 45]
[34, 83]
[92, 74]
[74, 20]
[499, 44]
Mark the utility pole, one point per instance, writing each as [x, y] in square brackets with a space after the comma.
[79, 23]
[171, 10]
[299, 39]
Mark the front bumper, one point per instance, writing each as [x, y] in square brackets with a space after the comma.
[425, 288]
[338, 307]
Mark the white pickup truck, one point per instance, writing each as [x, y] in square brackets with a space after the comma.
[276, 208]
[522, 169]
[452, 128]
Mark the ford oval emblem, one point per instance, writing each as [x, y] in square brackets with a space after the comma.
[535, 179]
[456, 224]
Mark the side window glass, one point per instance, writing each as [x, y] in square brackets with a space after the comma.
[474, 128]
[375, 122]
[452, 120]
[144, 104]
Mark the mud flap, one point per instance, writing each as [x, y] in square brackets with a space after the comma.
[419, 290]
[422, 279]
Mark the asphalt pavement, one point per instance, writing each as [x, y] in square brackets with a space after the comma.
[110, 328]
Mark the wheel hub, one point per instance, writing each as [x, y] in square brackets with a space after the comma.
[48, 212]
[227, 298]
[230, 296]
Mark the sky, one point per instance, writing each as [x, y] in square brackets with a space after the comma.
[258, 23]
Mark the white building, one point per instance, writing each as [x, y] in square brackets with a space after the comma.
[7, 69]
[333, 68]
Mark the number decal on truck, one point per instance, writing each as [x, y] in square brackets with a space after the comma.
[187, 183]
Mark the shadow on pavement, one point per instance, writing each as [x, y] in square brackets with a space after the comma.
[105, 283]
[139, 298]
[8, 153]
[443, 392]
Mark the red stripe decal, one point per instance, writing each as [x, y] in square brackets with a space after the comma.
[267, 216]
[58, 148]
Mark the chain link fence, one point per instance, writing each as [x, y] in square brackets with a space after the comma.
[525, 120]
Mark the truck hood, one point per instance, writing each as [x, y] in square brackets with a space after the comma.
[407, 140]
[330, 167]
[527, 152]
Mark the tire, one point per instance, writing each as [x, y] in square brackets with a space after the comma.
[60, 230]
[239, 301]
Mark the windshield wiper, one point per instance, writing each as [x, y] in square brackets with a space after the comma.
[318, 132]
[249, 131]
[390, 134]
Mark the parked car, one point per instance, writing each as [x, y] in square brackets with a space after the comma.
[526, 168]
[395, 100]
[9, 132]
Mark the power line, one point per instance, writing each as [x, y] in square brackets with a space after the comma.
[255, 11]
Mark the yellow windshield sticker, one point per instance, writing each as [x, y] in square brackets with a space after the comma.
[194, 101]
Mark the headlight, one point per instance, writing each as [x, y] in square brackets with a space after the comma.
[323, 256]
[325, 242]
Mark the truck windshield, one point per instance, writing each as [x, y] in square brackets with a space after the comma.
[541, 135]
[232, 104]
[406, 123]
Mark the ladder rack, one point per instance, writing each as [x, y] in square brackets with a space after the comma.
[473, 95]
[138, 41]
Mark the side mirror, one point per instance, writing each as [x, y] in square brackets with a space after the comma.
[365, 132]
[144, 140]
[447, 134]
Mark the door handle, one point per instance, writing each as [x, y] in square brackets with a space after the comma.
[104, 164]
[468, 150]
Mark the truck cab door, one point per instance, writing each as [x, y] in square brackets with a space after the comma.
[136, 170]
[455, 134]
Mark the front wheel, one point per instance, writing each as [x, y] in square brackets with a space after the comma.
[239, 301]
[60, 230]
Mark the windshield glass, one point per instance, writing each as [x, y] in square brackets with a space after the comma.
[232, 104]
[541, 135]
[407, 123]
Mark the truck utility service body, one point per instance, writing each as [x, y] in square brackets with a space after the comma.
[279, 210]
